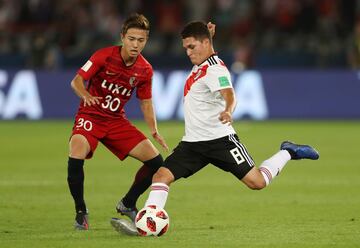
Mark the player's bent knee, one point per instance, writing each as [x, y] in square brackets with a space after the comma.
[163, 175]
[144, 151]
[254, 180]
[79, 147]
[256, 185]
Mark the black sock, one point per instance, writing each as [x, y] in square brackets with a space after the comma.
[76, 182]
[142, 180]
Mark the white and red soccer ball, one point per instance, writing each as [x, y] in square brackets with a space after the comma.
[152, 221]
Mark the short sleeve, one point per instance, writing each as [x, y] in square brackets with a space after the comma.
[143, 90]
[218, 78]
[93, 65]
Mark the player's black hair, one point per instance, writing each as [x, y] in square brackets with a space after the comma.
[135, 21]
[196, 29]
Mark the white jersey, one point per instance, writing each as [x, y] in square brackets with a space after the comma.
[203, 102]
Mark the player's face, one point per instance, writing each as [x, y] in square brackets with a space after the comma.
[198, 51]
[134, 41]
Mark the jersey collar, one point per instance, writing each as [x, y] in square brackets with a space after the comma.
[122, 60]
[210, 60]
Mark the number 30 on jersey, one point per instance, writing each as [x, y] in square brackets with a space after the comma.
[111, 103]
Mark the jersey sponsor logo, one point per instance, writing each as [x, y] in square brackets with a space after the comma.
[87, 66]
[116, 89]
[224, 81]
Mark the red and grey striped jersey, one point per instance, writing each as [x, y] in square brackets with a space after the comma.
[108, 77]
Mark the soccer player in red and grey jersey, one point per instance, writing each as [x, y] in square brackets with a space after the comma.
[113, 74]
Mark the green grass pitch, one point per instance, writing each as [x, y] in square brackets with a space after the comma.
[311, 204]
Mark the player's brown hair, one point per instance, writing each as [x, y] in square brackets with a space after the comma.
[135, 21]
[196, 29]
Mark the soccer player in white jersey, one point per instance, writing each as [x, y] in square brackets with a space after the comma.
[209, 102]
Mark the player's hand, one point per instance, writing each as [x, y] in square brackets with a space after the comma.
[226, 117]
[91, 100]
[211, 26]
[159, 139]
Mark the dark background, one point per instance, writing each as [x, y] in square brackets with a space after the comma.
[58, 34]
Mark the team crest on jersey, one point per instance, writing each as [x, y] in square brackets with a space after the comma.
[132, 81]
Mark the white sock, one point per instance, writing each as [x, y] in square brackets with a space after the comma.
[158, 195]
[271, 167]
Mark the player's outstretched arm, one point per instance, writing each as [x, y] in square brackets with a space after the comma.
[78, 85]
[149, 116]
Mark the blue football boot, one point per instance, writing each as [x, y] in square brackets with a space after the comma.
[299, 151]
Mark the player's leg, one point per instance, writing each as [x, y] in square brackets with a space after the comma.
[158, 196]
[159, 189]
[258, 178]
[229, 154]
[254, 179]
[272, 167]
[82, 144]
[183, 162]
[146, 152]
[79, 148]
[124, 139]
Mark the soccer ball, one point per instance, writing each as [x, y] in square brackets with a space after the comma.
[152, 220]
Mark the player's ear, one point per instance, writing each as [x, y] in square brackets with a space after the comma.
[207, 42]
[122, 36]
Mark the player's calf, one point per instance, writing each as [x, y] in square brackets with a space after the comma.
[254, 179]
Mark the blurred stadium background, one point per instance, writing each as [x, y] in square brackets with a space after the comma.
[295, 71]
[279, 51]
[55, 34]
